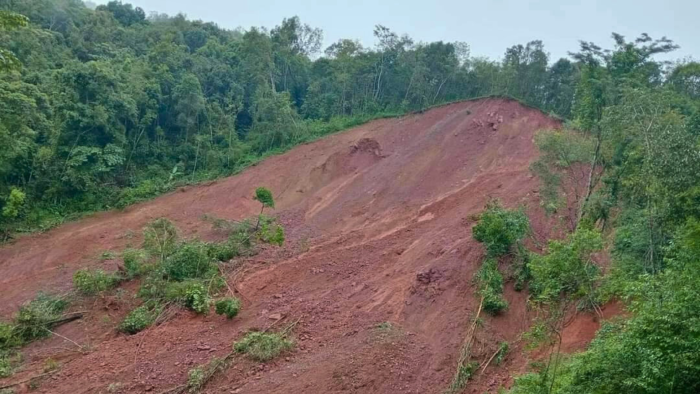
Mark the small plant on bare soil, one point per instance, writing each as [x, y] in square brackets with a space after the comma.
[91, 282]
[137, 320]
[260, 346]
[228, 307]
[198, 377]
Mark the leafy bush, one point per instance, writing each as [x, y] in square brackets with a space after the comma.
[160, 238]
[499, 229]
[197, 298]
[138, 319]
[34, 318]
[264, 195]
[567, 268]
[190, 260]
[6, 368]
[261, 346]
[270, 232]
[91, 282]
[490, 287]
[195, 379]
[134, 260]
[228, 307]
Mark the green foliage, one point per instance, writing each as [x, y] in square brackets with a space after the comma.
[265, 197]
[228, 307]
[138, 319]
[198, 377]
[34, 319]
[502, 352]
[134, 262]
[499, 229]
[13, 203]
[6, 368]
[270, 232]
[260, 346]
[91, 282]
[160, 237]
[190, 260]
[567, 268]
[195, 379]
[490, 287]
[464, 373]
[197, 298]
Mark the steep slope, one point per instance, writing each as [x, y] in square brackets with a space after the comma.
[379, 230]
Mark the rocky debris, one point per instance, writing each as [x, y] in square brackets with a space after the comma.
[429, 276]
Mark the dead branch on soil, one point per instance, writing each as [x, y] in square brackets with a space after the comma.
[67, 318]
[81, 347]
[465, 353]
[224, 363]
[490, 359]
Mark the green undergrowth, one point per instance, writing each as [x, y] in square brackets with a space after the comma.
[34, 320]
[188, 273]
[260, 346]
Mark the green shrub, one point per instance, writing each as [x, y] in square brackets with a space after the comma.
[197, 298]
[134, 262]
[7, 336]
[6, 368]
[34, 318]
[138, 319]
[160, 238]
[499, 229]
[490, 286]
[195, 379]
[502, 352]
[190, 260]
[464, 373]
[223, 251]
[228, 307]
[91, 282]
[270, 232]
[261, 346]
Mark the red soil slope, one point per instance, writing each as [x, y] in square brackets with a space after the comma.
[378, 221]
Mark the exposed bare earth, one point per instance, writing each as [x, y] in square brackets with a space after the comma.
[378, 223]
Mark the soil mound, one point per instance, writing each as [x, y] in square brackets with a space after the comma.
[377, 268]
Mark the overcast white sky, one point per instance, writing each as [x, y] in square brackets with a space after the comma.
[488, 26]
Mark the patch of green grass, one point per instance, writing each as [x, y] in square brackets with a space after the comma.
[228, 307]
[91, 282]
[261, 346]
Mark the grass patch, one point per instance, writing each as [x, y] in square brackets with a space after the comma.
[260, 346]
[91, 282]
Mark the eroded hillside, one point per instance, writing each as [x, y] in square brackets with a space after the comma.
[378, 222]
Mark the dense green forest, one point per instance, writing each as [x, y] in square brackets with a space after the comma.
[101, 108]
[108, 106]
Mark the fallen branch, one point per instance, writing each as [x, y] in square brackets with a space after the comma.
[67, 318]
[81, 347]
[491, 359]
